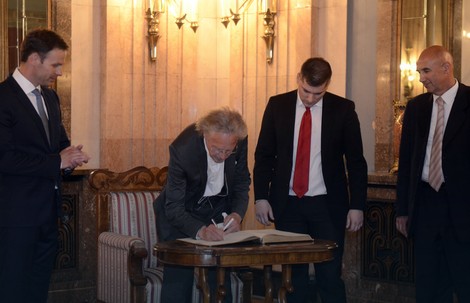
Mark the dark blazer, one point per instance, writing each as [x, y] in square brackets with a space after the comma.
[341, 145]
[186, 183]
[455, 158]
[29, 165]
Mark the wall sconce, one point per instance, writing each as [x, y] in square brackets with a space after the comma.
[267, 8]
[269, 34]
[152, 15]
[466, 34]
[233, 10]
[230, 10]
[185, 10]
[408, 71]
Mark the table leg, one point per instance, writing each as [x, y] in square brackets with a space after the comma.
[203, 284]
[268, 284]
[221, 284]
[286, 283]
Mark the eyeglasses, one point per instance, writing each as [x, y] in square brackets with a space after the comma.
[223, 152]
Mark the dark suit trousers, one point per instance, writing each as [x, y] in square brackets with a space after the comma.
[27, 256]
[310, 215]
[178, 284]
[442, 261]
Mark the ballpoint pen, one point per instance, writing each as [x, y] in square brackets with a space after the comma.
[228, 224]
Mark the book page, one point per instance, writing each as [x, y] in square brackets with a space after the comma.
[279, 236]
[263, 235]
[236, 237]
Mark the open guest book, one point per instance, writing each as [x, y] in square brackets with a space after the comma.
[263, 236]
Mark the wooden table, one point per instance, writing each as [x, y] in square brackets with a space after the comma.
[242, 255]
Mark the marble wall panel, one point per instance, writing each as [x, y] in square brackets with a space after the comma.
[386, 88]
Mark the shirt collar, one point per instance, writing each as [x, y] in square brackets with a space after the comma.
[24, 83]
[449, 95]
[210, 161]
[300, 104]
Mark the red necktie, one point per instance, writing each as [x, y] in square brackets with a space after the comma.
[302, 161]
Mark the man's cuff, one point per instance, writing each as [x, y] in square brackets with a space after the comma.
[197, 234]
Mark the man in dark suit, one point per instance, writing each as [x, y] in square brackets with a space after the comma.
[327, 205]
[207, 176]
[433, 191]
[32, 154]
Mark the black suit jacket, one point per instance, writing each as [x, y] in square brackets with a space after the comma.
[455, 158]
[186, 183]
[341, 145]
[29, 165]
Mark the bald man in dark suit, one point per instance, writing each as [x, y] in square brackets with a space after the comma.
[435, 212]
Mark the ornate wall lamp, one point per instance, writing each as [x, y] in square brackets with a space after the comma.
[269, 34]
[408, 73]
[187, 10]
[231, 10]
[267, 8]
[152, 15]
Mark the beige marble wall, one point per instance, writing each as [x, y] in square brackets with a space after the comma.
[85, 72]
[386, 84]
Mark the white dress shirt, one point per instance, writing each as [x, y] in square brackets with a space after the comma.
[215, 175]
[28, 88]
[448, 97]
[316, 184]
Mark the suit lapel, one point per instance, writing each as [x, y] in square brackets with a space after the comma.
[28, 107]
[457, 117]
[289, 121]
[202, 159]
[424, 114]
[326, 121]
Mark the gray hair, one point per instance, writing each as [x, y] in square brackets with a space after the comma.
[223, 120]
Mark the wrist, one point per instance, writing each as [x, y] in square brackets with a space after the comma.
[237, 217]
[199, 233]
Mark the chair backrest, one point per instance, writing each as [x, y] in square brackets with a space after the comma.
[132, 215]
[125, 203]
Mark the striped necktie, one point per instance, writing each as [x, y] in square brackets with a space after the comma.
[436, 176]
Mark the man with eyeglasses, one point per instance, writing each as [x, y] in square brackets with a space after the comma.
[208, 181]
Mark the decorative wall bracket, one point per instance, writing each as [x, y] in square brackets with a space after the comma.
[269, 34]
[153, 22]
[180, 22]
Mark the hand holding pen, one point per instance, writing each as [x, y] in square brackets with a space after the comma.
[211, 233]
[226, 226]
[231, 222]
[215, 232]
[222, 225]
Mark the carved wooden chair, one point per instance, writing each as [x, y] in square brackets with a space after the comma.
[128, 272]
